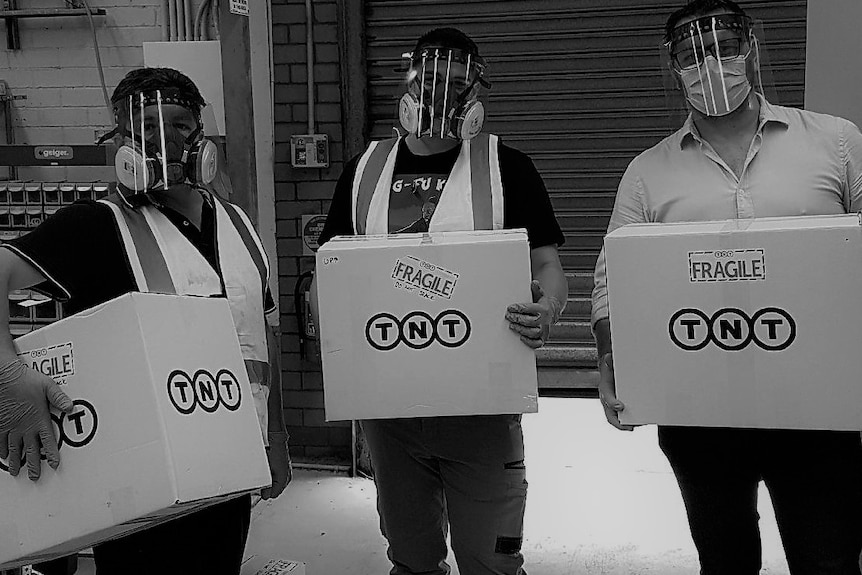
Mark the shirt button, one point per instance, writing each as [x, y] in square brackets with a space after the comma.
[185, 222]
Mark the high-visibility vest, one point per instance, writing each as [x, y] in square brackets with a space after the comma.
[472, 198]
[163, 260]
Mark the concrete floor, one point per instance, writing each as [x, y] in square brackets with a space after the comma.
[601, 502]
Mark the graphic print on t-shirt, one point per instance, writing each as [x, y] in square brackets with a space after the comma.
[412, 201]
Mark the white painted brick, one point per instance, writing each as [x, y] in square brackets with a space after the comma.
[131, 16]
[83, 97]
[34, 58]
[35, 136]
[39, 97]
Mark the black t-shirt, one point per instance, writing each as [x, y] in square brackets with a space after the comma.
[80, 251]
[418, 181]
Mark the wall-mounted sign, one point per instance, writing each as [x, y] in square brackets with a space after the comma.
[239, 7]
[312, 226]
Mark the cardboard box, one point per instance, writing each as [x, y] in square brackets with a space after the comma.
[748, 323]
[413, 325]
[256, 565]
[164, 424]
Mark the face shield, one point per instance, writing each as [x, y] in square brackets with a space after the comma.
[442, 93]
[715, 60]
[163, 144]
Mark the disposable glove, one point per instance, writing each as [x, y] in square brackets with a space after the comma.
[25, 420]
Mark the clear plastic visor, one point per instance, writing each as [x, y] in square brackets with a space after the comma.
[723, 36]
[442, 79]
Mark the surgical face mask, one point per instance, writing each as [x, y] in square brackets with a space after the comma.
[709, 54]
[717, 86]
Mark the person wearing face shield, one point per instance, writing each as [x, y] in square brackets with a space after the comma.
[737, 157]
[442, 173]
[163, 230]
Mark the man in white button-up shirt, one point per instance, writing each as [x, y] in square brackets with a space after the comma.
[738, 156]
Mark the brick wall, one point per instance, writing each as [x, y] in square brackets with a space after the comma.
[304, 191]
[55, 69]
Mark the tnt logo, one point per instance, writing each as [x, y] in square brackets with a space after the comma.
[203, 390]
[75, 429]
[731, 329]
[417, 330]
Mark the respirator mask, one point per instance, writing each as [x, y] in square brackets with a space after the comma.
[442, 93]
[158, 153]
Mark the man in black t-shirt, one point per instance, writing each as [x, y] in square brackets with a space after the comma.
[446, 176]
[84, 254]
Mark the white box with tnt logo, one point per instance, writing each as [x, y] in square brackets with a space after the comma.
[413, 325]
[163, 424]
[740, 323]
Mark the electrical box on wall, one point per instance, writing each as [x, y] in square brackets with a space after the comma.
[309, 151]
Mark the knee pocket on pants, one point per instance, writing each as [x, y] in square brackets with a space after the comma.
[510, 526]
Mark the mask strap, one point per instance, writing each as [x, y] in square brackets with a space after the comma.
[187, 144]
[446, 117]
[162, 138]
[421, 96]
[717, 49]
[757, 55]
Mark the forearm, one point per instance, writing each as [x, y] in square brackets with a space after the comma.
[551, 277]
[7, 346]
[275, 409]
[602, 333]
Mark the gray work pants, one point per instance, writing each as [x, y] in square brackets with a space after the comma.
[466, 473]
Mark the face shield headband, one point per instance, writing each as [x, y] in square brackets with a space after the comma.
[710, 56]
[443, 85]
[164, 157]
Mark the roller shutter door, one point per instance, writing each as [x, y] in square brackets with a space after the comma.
[578, 86]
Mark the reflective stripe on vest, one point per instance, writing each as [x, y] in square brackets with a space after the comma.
[164, 261]
[472, 197]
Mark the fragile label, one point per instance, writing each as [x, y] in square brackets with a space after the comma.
[56, 361]
[427, 280]
[727, 265]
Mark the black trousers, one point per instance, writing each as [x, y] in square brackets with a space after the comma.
[205, 542]
[814, 480]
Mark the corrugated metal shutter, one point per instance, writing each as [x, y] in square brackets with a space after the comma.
[578, 86]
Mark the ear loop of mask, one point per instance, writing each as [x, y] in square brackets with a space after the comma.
[446, 119]
[717, 50]
[753, 40]
[162, 138]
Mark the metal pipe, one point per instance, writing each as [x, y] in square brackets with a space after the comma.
[181, 20]
[309, 57]
[187, 8]
[215, 10]
[198, 29]
[172, 14]
[163, 21]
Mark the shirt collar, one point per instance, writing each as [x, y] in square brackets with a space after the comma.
[768, 113]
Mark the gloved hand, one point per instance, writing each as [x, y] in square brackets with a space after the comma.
[533, 321]
[279, 465]
[25, 422]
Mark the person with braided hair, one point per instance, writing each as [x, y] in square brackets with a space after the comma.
[164, 226]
